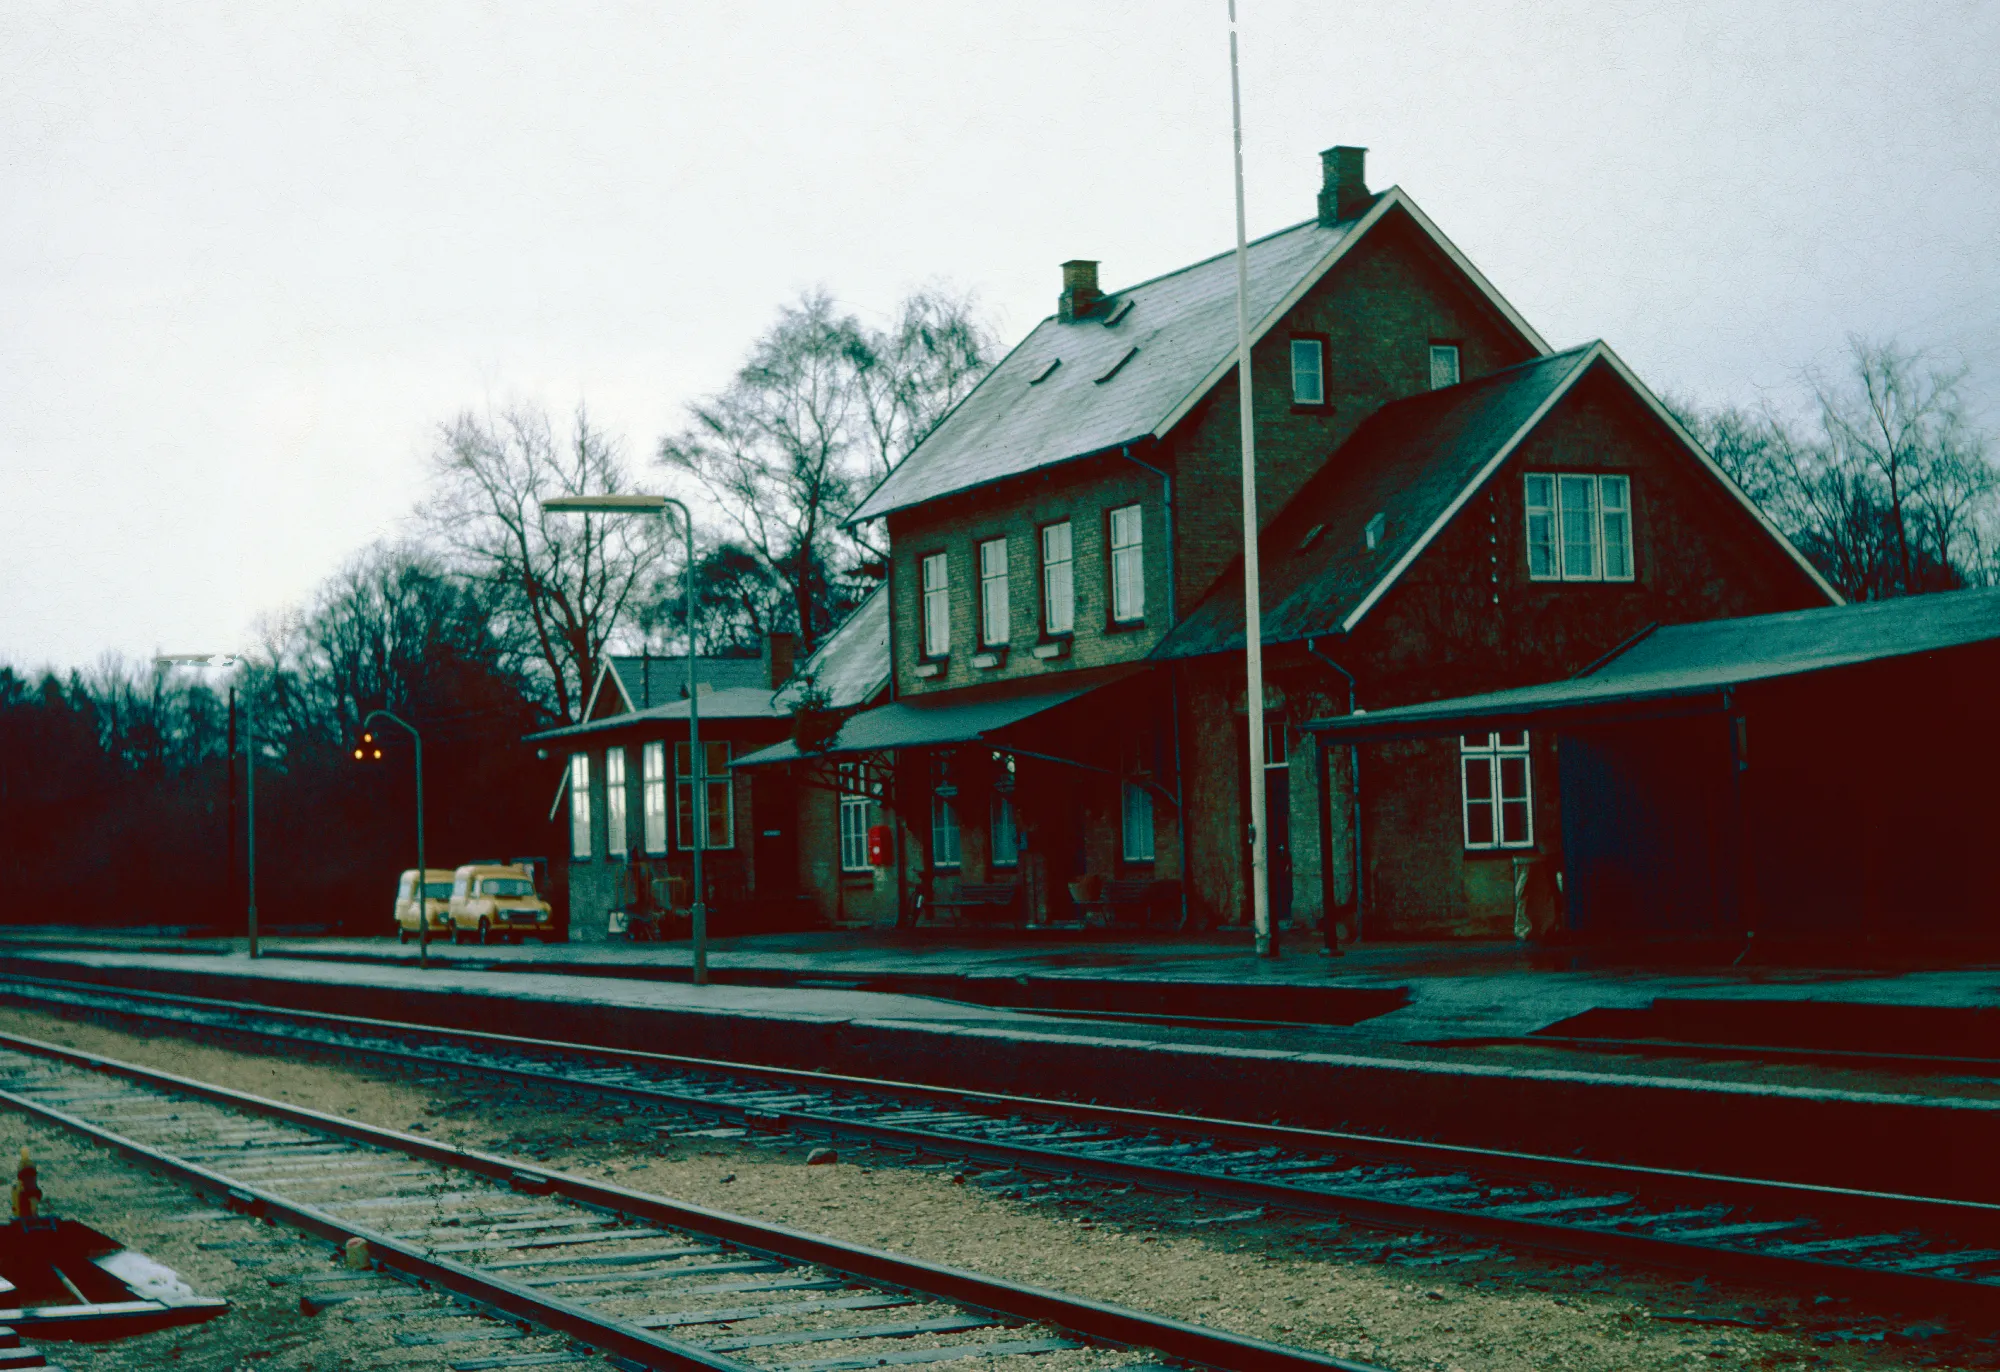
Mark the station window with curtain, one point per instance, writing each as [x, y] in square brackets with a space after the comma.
[1497, 789]
[1444, 365]
[858, 811]
[937, 605]
[1058, 581]
[579, 805]
[1579, 527]
[1308, 371]
[718, 794]
[653, 795]
[947, 847]
[993, 606]
[1128, 566]
[616, 836]
[1136, 803]
[1003, 821]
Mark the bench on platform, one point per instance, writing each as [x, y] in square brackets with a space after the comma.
[1147, 903]
[982, 902]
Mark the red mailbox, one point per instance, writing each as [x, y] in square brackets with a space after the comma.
[879, 846]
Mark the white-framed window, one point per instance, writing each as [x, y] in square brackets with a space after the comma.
[993, 606]
[947, 849]
[1444, 365]
[937, 606]
[579, 806]
[1308, 371]
[616, 836]
[1497, 790]
[653, 795]
[1128, 565]
[857, 813]
[1004, 827]
[1136, 803]
[1058, 581]
[719, 796]
[1579, 527]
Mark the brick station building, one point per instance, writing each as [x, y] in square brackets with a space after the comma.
[1448, 506]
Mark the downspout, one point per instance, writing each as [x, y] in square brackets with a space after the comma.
[1173, 672]
[1354, 784]
[894, 791]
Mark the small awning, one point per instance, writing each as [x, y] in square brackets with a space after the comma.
[972, 715]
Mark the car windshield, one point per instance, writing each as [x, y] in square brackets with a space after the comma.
[507, 886]
[438, 890]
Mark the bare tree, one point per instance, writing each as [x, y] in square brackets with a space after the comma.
[559, 581]
[933, 353]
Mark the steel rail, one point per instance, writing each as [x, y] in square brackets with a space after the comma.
[1097, 1320]
[1906, 1289]
[1694, 1048]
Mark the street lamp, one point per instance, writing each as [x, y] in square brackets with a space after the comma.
[165, 660]
[698, 801]
[422, 892]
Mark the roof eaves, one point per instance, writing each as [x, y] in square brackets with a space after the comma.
[1492, 464]
[1693, 445]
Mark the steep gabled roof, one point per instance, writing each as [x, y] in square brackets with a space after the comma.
[1137, 364]
[852, 664]
[638, 682]
[1413, 463]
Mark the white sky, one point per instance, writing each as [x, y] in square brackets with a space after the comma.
[250, 255]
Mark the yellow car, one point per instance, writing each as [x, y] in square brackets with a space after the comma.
[494, 902]
[437, 895]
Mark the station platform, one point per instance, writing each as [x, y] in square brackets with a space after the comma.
[1399, 1040]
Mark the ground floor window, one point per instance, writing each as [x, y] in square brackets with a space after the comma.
[946, 846]
[857, 814]
[616, 836]
[653, 795]
[1006, 832]
[1138, 822]
[718, 796]
[579, 805]
[1497, 790]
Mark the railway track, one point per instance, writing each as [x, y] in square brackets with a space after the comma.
[650, 1281]
[1905, 1252]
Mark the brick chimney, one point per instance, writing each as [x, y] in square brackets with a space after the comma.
[778, 651]
[1079, 293]
[1343, 191]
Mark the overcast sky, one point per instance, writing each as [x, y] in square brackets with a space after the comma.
[251, 255]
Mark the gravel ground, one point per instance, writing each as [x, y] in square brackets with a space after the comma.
[1406, 1302]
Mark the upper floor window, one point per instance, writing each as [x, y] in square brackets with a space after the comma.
[937, 606]
[1308, 371]
[1128, 565]
[1444, 365]
[616, 836]
[1496, 790]
[653, 795]
[717, 795]
[579, 805]
[1058, 582]
[1579, 527]
[993, 607]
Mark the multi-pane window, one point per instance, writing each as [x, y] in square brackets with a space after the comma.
[718, 796]
[1308, 371]
[947, 849]
[616, 837]
[1058, 581]
[1128, 565]
[1005, 827]
[993, 607]
[579, 805]
[1497, 790]
[937, 606]
[1444, 365]
[1579, 527]
[653, 795]
[1137, 807]
[857, 814]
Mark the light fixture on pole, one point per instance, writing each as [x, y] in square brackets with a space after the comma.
[249, 773]
[698, 798]
[365, 751]
[1253, 607]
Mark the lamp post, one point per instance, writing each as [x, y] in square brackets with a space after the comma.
[698, 801]
[422, 891]
[168, 660]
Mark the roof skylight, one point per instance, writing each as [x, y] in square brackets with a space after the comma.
[1118, 366]
[1043, 375]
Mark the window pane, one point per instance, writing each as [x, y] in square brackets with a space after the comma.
[1444, 365]
[653, 769]
[1138, 807]
[854, 833]
[1479, 824]
[1478, 779]
[1058, 588]
[1308, 379]
[1616, 497]
[1006, 833]
[1541, 545]
[1514, 777]
[616, 837]
[721, 815]
[1579, 527]
[1541, 491]
[579, 805]
[937, 606]
[944, 832]
[1514, 824]
[1475, 742]
[1516, 739]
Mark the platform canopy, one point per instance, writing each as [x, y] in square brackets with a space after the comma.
[947, 718]
[1693, 668]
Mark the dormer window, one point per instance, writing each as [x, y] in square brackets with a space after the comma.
[1444, 365]
[1308, 371]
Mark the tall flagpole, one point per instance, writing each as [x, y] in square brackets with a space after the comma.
[1253, 616]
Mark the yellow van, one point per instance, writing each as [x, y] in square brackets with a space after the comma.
[437, 897]
[492, 902]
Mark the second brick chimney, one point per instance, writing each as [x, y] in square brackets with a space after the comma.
[1079, 293]
[1343, 191]
[779, 650]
